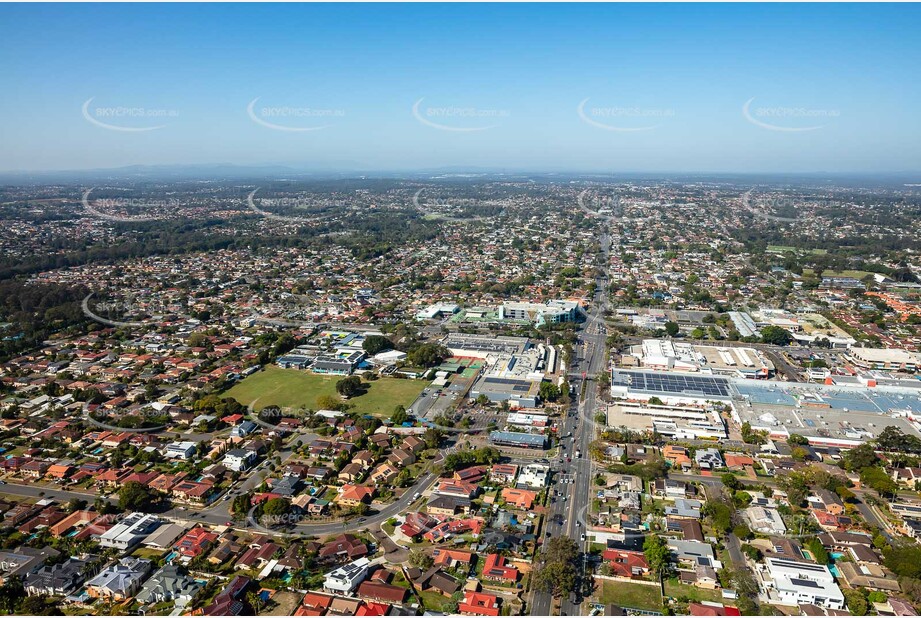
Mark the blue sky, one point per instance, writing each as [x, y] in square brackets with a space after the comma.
[835, 87]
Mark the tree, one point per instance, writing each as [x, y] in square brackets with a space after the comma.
[856, 602]
[720, 515]
[845, 494]
[375, 344]
[749, 436]
[328, 402]
[427, 355]
[776, 335]
[860, 457]
[421, 560]
[255, 601]
[657, 553]
[730, 481]
[76, 504]
[276, 508]
[11, 592]
[743, 582]
[911, 587]
[796, 439]
[556, 578]
[671, 329]
[877, 479]
[240, 505]
[549, 391]
[818, 551]
[134, 496]
[399, 415]
[557, 573]
[892, 440]
[752, 552]
[349, 387]
[904, 559]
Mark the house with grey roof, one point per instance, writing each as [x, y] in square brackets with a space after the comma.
[57, 579]
[709, 459]
[120, 580]
[23, 561]
[171, 583]
[684, 509]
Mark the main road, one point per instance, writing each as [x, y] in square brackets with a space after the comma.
[568, 512]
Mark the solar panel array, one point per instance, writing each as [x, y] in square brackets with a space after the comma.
[673, 383]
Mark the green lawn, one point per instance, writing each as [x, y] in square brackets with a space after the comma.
[291, 388]
[676, 589]
[148, 553]
[856, 274]
[435, 601]
[625, 594]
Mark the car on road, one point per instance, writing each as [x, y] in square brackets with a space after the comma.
[582, 538]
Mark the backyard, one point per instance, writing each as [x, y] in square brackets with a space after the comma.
[625, 594]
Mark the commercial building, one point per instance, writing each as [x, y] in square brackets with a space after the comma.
[339, 365]
[436, 311]
[670, 388]
[519, 393]
[675, 422]
[886, 359]
[518, 440]
[553, 312]
[668, 355]
[481, 346]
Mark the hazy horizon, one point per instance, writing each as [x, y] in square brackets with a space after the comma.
[653, 88]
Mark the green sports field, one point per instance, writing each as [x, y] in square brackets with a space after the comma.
[291, 388]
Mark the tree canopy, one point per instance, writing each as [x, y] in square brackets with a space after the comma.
[375, 344]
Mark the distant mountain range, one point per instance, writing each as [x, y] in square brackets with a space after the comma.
[229, 171]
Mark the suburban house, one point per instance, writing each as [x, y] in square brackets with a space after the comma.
[119, 581]
[170, 583]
